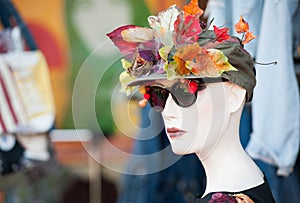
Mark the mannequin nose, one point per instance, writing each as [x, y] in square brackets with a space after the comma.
[170, 107]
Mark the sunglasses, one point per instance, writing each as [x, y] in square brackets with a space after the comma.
[183, 92]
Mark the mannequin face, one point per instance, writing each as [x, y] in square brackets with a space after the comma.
[197, 128]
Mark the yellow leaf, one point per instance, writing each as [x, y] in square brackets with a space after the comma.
[126, 64]
[170, 70]
[125, 78]
[220, 61]
[164, 52]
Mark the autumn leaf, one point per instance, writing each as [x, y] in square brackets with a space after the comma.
[188, 52]
[209, 63]
[221, 34]
[192, 9]
[181, 68]
[202, 65]
[248, 37]
[242, 26]
[220, 61]
[192, 59]
[126, 48]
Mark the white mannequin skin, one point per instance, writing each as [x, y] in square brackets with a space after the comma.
[210, 128]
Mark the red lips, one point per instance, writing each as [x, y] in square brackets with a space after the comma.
[174, 130]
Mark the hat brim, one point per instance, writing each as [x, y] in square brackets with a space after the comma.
[155, 77]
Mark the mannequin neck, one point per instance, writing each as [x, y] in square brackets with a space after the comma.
[227, 166]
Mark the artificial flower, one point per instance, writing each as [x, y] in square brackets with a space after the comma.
[181, 68]
[143, 103]
[170, 69]
[137, 34]
[171, 46]
[126, 48]
[222, 198]
[125, 78]
[192, 87]
[187, 29]
[126, 64]
[164, 52]
[142, 90]
[220, 61]
[163, 24]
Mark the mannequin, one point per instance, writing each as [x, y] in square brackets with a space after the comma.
[199, 79]
[219, 150]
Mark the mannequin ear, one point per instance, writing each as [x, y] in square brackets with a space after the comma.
[237, 97]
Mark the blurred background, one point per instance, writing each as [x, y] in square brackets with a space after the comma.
[67, 33]
[71, 34]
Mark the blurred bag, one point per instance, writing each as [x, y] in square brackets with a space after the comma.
[26, 100]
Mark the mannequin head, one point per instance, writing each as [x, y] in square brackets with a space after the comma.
[176, 48]
[198, 127]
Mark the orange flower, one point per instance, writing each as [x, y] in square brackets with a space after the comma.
[248, 37]
[242, 26]
[181, 69]
[192, 9]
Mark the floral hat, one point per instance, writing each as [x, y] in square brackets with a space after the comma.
[179, 45]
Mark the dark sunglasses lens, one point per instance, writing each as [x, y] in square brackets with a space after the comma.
[183, 96]
[158, 97]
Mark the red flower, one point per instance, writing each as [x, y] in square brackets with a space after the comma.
[221, 34]
[192, 87]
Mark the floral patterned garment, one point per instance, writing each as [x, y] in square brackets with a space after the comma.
[259, 194]
[227, 198]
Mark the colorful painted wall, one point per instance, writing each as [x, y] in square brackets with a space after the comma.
[68, 31]
[46, 20]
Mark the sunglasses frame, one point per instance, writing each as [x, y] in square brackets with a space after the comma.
[171, 90]
[165, 91]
